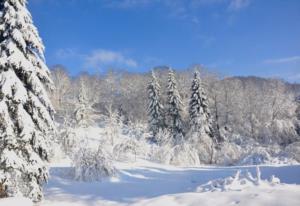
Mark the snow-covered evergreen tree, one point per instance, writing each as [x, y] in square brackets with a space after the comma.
[155, 108]
[174, 108]
[200, 119]
[201, 128]
[26, 121]
[82, 110]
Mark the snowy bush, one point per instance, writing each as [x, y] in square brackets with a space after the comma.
[57, 153]
[192, 152]
[242, 141]
[163, 150]
[164, 137]
[83, 112]
[281, 132]
[92, 165]
[268, 154]
[113, 128]
[228, 154]
[68, 139]
[205, 148]
[255, 156]
[161, 154]
[293, 150]
[137, 131]
[128, 149]
[184, 155]
[180, 155]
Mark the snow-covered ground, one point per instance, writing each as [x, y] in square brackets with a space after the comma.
[15, 201]
[147, 183]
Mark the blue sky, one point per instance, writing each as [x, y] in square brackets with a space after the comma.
[232, 37]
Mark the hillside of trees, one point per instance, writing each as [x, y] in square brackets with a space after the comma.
[265, 110]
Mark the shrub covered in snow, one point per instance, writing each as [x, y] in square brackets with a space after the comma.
[130, 142]
[267, 154]
[282, 132]
[160, 154]
[127, 150]
[180, 155]
[68, 138]
[164, 137]
[204, 146]
[228, 154]
[92, 165]
[258, 155]
[293, 150]
[184, 155]
[137, 131]
[83, 111]
[246, 151]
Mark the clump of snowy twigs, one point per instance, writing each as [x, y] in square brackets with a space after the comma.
[167, 152]
[128, 149]
[228, 154]
[293, 150]
[92, 165]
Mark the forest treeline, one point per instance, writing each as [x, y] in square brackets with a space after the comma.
[266, 110]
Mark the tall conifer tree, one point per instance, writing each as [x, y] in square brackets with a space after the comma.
[26, 122]
[174, 108]
[155, 108]
[200, 117]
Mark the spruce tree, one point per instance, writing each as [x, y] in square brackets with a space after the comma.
[174, 108]
[200, 118]
[26, 114]
[155, 108]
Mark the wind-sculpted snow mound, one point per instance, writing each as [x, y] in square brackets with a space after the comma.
[238, 182]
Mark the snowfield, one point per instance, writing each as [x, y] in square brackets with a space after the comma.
[147, 183]
[13, 201]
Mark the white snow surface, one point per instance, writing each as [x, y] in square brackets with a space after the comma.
[15, 201]
[144, 183]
